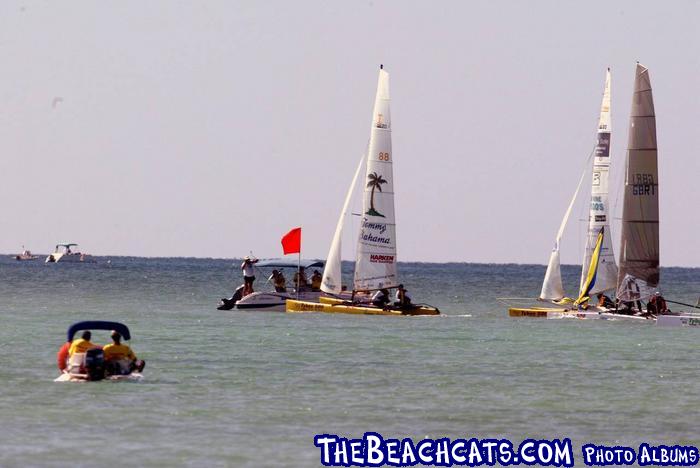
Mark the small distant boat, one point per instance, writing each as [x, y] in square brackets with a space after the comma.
[25, 255]
[90, 366]
[272, 300]
[64, 253]
[375, 265]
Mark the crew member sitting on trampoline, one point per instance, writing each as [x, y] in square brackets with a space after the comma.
[402, 299]
[381, 298]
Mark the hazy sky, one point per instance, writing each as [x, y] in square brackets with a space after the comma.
[212, 128]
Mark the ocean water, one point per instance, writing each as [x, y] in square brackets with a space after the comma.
[228, 388]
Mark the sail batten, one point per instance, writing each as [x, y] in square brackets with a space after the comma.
[639, 253]
[375, 265]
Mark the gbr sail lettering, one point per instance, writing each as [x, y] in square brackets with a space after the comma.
[643, 184]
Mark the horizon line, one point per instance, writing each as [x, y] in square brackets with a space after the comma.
[158, 257]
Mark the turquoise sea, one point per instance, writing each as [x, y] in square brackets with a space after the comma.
[253, 388]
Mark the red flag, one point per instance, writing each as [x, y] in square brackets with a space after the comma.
[291, 242]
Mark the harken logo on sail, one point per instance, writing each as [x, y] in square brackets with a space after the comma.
[374, 258]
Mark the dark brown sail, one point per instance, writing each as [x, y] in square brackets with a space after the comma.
[639, 243]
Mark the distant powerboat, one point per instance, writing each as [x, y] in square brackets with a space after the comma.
[64, 253]
[273, 300]
[90, 366]
[25, 255]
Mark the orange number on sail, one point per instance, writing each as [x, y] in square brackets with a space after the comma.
[383, 156]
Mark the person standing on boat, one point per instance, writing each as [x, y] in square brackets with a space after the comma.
[119, 357]
[248, 274]
[402, 299]
[82, 344]
[279, 281]
[316, 280]
[300, 281]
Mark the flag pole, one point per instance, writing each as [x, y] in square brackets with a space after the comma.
[299, 266]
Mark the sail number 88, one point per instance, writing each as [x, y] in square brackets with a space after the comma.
[384, 157]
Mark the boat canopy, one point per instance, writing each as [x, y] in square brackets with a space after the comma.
[67, 244]
[122, 329]
[289, 263]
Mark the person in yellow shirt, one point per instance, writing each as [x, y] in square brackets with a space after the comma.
[82, 344]
[120, 356]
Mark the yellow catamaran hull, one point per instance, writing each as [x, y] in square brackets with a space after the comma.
[536, 312]
[554, 313]
[337, 306]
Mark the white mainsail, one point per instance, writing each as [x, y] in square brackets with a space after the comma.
[332, 273]
[552, 288]
[375, 265]
[599, 217]
[639, 241]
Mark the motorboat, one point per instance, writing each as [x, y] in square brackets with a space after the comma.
[273, 300]
[64, 253]
[91, 366]
[25, 255]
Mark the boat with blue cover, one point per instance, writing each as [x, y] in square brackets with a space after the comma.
[91, 365]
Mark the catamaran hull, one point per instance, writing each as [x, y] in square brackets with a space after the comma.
[554, 314]
[267, 301]
[295, 306]
[67, 258]
[678, 321]
[67, 377]
[535, 312]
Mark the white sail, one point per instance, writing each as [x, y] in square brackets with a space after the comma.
[552, 288]
[375, 265]
[599, 217]
[639, 242]
[332, 273]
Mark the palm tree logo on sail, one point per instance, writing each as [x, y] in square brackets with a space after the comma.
[375, 182]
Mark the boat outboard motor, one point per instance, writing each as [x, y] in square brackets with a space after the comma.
[228, 304]
[95, 364]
